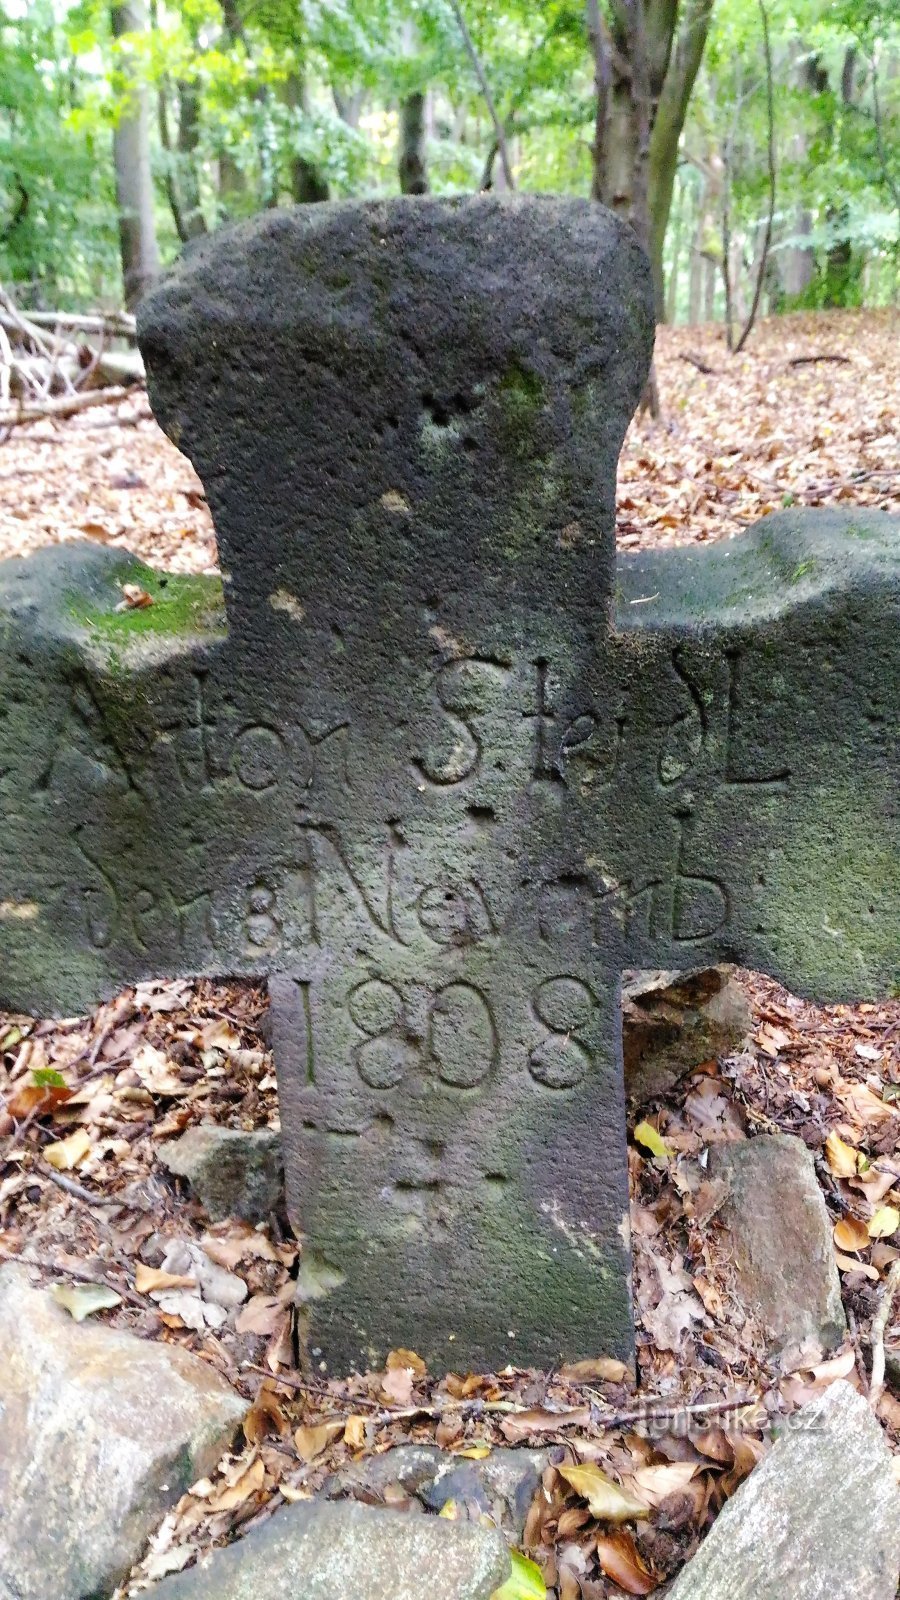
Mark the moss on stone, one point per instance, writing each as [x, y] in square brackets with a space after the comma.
[184, 609]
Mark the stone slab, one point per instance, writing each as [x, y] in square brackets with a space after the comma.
[319, 1550]
[100, 1434]
[233, 1173]
[819, 1519]
[779, 1241]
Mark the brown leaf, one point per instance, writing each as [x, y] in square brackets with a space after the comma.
[620, 1559]
[35, 1100]
[235, 1493]
[607, 1500]
[312, 1441]
[604, 1369]
[399, 1359]
[261, 1314]
[265, 1416]
[522, 1424]
[397, 1386]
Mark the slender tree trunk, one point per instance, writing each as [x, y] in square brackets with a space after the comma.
[770, 156]
[309, 186]
[131, 158]
[188, 143]
[671, 111]
[411, 161]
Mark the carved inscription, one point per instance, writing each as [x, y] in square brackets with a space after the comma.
[451, 1032]
[564, 1005]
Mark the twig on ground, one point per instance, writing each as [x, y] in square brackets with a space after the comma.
[66, 405]
[81, 1275]
[695, 361]
[880, 1323]
[808, 361]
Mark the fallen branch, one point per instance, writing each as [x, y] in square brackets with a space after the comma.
[808, 361]
[65, 405]
[117, 323]
[879, 1328]
[81, 1275]
[695, 361]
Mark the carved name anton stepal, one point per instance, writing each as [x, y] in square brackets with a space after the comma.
[450, 767]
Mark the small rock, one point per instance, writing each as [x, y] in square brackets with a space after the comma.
[779, 1235]
[819, 1519]
[320, 1550]
[501, 1486]
[100, 1433]
[672, 1021]
[232, 1173]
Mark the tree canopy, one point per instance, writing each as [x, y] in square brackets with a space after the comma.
[754, 142]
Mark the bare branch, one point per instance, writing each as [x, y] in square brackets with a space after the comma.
[770, 153]
[499, 130]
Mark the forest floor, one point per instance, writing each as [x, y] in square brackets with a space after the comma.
[806, 415]
[754, 434]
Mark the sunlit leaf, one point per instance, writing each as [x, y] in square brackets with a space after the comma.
[885, 1222]
[851, 1233]
[526, 1581]
[66, 1153]
[83, 1299]
[842, 1159]
[607, 1500]
[652, 1140]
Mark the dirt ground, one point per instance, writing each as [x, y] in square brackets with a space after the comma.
[807, 415]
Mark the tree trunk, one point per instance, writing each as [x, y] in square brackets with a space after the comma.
[131, 158]
[684, 64]
[188, 142]
[411, 162]
[309, 186]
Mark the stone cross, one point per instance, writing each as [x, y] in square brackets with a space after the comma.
[449, 766]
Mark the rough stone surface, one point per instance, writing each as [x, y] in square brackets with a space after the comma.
[100, 1433]
[451, 769]
[502, 1486]
[232, 1173]
[779, 1237]
[819, 1519]
[673, 1021]
[343, 1551]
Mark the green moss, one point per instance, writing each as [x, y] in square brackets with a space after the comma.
[184, 609]
[831, 895]
[521, 394]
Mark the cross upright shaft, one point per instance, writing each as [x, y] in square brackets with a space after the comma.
[451, 769]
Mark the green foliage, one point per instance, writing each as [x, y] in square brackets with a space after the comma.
[250, 98]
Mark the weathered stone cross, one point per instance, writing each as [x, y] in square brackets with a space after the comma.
[450, 767]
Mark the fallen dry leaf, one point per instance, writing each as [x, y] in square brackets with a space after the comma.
[620, 1560]
[607, 1500]
[311, 1441]
[842, 1159]
[67, 1153]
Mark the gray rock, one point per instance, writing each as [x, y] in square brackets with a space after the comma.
[672, 1021]
[100, 1433]
[232, 1173]
[320, 1550]
[779, 1235]
[502, 1486]
[818, 1519]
